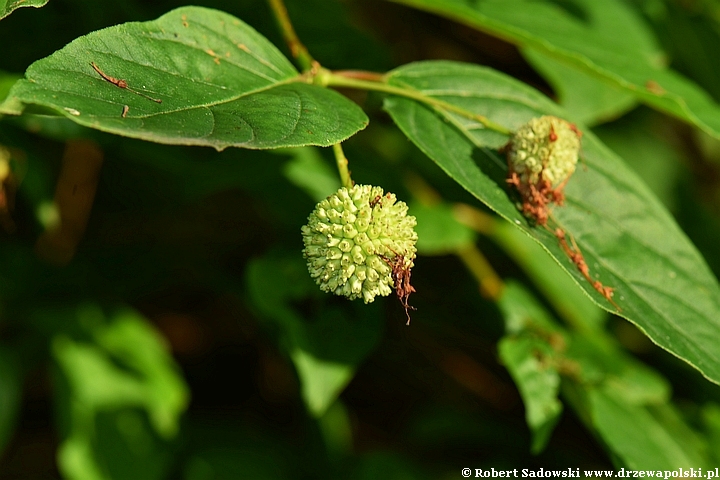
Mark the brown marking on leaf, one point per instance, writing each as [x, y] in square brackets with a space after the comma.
[115, 81]
[654, 87]
[573, 252]
[243, 47]
[119, 83]
[125, 110]
[184, 21]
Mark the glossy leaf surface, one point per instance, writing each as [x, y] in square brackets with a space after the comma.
[604, 39]
[195, 76]
[629, 241]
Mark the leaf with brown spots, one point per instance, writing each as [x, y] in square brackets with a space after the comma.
[214, 81]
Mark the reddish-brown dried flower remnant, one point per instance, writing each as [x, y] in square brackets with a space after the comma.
[576, 256]
[401, 280]
[541, 156]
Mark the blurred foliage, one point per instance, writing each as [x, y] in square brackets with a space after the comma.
[172, 331]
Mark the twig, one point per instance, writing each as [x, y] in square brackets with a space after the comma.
[342, 166]
[297, 49]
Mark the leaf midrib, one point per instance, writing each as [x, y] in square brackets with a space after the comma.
[287, 81]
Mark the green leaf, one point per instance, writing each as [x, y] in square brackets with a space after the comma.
[522, 312]
[710, 415]
[325, 348]
[695, 446]
[601, 361]
[530, 359]
[336, 429]
[558, 288]
[635, 436]
[603, 39]
[122, 398]
[439, 233]
[628, 240]
[649, 153]
[7, 80]
[585, 97]
[538, 384]
[8, 6]
[309, 171]
[221, 84]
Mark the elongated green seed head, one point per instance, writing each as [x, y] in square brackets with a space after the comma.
[352, 238]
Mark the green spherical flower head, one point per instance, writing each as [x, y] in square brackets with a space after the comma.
[353, 238]
[545, 148]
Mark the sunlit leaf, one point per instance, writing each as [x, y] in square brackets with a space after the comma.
[604, 39]
[601, 361]
[309, 171]
[629, 241]
[195, 76]
[438, 231]
[588, 99]
[559, 289]
[122, 397]
[7, 80]
[8, 6]
[648, 153]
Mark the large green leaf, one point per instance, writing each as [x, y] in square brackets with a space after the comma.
[559, 289]
[531, 360]
[635, 436]
[600, 38]
[629, 240]
[588, 99]
[439, 233]
[220, 84]
[8, 6]
[121, 395]
[325, 342]
[308, 171]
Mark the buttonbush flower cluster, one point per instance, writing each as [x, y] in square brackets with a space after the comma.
[542, 155]
[360, 243]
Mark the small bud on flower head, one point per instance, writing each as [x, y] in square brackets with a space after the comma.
[354, 237]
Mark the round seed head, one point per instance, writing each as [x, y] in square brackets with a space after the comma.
[545, 148]
[352, 238]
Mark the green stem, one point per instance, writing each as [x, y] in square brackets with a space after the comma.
[297, 49]
[342, 165]
[343, 79]
[491, 285]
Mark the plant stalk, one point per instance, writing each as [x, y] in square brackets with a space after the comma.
[342, 165]
[491, 285]
[299, 52]
[378, 83]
